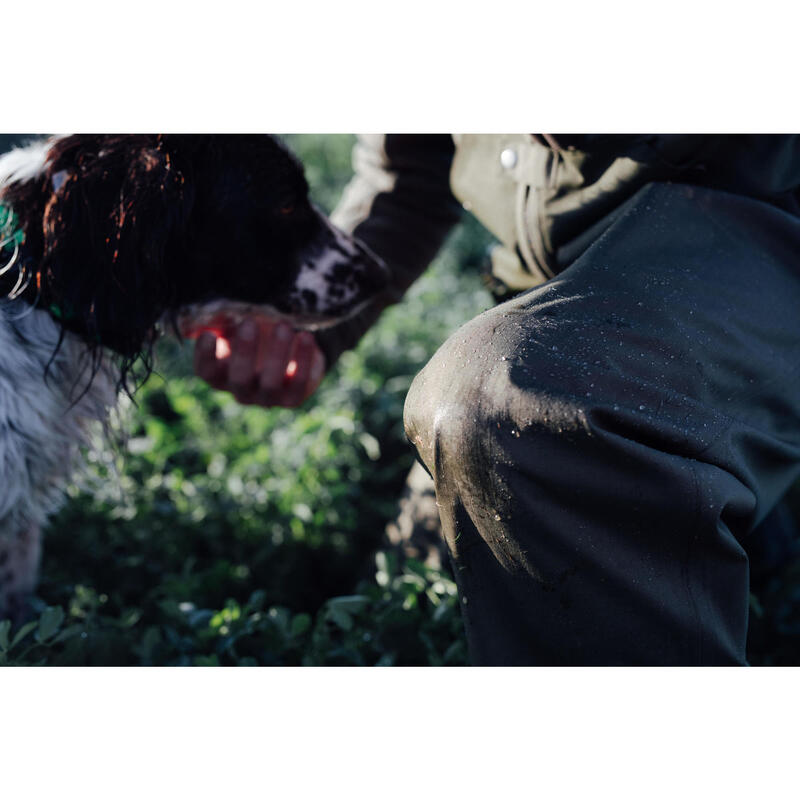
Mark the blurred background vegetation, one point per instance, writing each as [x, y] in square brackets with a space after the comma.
[223, 534]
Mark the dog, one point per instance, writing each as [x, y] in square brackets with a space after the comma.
[106, 242]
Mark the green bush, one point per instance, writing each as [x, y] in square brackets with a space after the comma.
[407, 617]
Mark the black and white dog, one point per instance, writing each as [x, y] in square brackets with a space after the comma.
[106, 241]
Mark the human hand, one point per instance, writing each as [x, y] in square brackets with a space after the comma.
[261, 362]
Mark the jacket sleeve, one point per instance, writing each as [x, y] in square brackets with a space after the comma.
[399, 204]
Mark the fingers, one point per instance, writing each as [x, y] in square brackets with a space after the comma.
[269, 364]
[212, 370]
[243, 364]
[274, 359]
[318, 367]
[297, 384]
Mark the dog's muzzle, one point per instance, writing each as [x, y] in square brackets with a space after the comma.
[337, 276]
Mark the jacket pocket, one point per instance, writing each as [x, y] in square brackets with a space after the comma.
[501, 179]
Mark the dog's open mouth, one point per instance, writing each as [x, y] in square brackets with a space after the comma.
[222, 316]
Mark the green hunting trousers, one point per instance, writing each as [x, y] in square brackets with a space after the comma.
[602, 446]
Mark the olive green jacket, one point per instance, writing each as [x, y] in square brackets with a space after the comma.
[546, 198]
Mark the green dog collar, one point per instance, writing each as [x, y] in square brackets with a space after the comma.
[11, 234]
[11, 238]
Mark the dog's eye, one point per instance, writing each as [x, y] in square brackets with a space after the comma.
[286, 208]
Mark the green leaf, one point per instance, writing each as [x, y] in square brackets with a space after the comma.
[434, 598]
[412, 583]
[150, 640]
[410, 602]
[130, 617]
[442, 610]
[341, 618]
[71, 631]
[300, 624]
[200, 618]
[371, 446]
[351, 604]
[455, 653]
[22, 633]
[5, 629]
[49, 622]
[417, 568]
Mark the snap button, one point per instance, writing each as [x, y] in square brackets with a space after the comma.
[508, 158]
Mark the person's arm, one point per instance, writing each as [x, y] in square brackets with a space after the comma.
[400, 205]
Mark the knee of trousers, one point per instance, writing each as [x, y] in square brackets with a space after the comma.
[498, 405]
[475, 398]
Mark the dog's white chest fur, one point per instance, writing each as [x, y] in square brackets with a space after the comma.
[45, 412]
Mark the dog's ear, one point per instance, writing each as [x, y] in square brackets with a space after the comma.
[117, 206]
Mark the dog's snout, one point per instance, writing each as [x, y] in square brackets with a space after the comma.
[337, 275]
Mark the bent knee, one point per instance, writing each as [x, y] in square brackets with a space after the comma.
[483, 384]
[517, 374]
[444, 395]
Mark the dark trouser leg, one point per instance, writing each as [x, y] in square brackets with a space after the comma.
[603, 446]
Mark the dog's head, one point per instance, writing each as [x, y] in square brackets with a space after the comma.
[122, 231]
